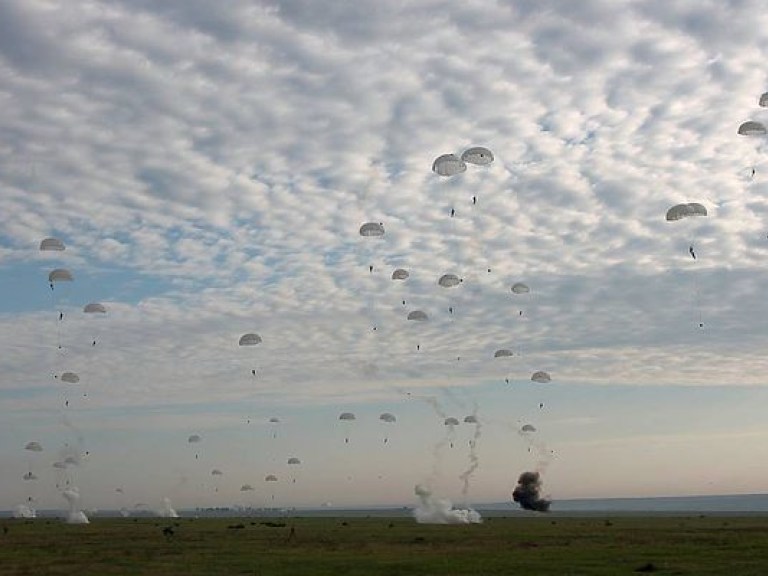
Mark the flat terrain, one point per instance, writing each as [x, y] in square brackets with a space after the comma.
[380, 546]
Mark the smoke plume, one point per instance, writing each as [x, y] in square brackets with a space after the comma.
[167, 510]
[432, 510]
[75, 515]
[527, 493]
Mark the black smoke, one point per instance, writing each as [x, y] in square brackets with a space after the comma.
[527, 493]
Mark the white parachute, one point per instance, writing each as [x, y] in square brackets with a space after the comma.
[418, 316]
[372, 230]
[752, 128]
[70, 378]
[449, 280]
[249, 339]
[520, 288]
[478, 155]
[689, 210]
[448, 165]
[60, 275]
[52, 245]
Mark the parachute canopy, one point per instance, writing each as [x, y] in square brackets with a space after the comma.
[194, 439]
[502, 353]
[763, 100]
[400, 274]
[528, 428]
[347, 416]
[418, 316]
[752, 128]
[60, 465]
[372, 229]
[246, 488]
[294, 461]
[449, 280]
[680, 211]
[274, 420]
[471, 419]
[520, 288]
[52, 244]
[30, 476]
[249, 339]
[387, 417]
[33, 447]
[541, 377]
[270, 478]
[94, 308]
[477, 155]
[448, 165]
[70, 378]
[60, 275]
[451, 422]
[217, 472]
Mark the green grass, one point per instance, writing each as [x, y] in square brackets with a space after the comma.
[389, 547]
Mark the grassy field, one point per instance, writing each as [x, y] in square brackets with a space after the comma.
[379, 546]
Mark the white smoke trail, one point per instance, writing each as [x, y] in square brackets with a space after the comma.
[474, 459]
[75, 515]
[433, 510]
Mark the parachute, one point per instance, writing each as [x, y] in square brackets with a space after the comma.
[249, 339]
[372, 229]
[680, 211]
[502, 353]
[400, 274]
[520, 288]
[194, 439]
[541, 377]
[52, 244]
[60, 275]
[347, 416]
[449, 280]
[451, 422]
[33, 447]
[30, 476]
[217, 472]
[478, 155]
[764, 100]
[246, 488]
[528, 428]
[418, 316]
[274, 420]
[448, 165]
[387, 417]
[70, 378]
[94, 308]
[270, 478]
[294, 461]
[60, 465]
[471, 419]
[752, 128]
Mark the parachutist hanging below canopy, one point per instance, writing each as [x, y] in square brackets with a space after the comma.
[691, 252]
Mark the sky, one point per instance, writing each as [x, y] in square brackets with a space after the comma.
[209, 168]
